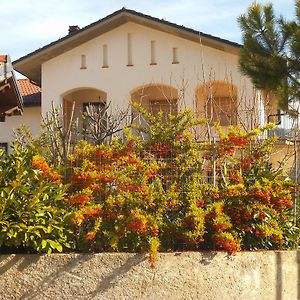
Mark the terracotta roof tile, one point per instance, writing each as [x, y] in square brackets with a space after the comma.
[30, 92]
[28, 88]
[3, 58]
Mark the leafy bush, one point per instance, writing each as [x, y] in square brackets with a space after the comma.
[32, 213]
[255, 197]
[154, 195]
[132, 196]
[166, 193]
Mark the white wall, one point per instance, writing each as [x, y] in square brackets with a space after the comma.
[262, 275]
[63, 73]
[197, 64]
[31, 117]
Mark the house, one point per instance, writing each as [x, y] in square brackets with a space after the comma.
[131, 56]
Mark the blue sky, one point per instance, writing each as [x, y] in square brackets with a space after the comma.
[27, 25]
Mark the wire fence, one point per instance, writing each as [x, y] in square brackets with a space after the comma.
[208, 171]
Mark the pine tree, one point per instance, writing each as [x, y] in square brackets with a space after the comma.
[271, 52]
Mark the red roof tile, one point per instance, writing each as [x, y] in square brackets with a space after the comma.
[30, 92]
[27, 88]
[3, 58]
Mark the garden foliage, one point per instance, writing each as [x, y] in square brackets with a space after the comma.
[165, 193]
[33, 216]
[158, 194]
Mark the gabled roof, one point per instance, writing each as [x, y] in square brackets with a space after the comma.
[30, 92]
[30, 65]
[11, 102]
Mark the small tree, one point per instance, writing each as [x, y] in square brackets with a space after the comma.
[58, 138]
[100, 125]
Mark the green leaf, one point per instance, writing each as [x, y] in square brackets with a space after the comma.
[44, 244]
[55, 245]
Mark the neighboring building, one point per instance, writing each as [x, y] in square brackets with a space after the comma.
[11, 102]
[31, 116]
[31, 93]
[131, 56]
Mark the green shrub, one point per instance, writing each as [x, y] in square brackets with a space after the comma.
[165, 193]
[32, 211]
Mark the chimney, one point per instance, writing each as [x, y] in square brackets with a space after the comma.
[73, 29]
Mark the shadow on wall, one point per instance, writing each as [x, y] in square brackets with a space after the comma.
[109, 281]
[19, 260]
[279, 276]
[208, 257]
[298, 275]
[246, 275]
[52, 277]
[106, 281]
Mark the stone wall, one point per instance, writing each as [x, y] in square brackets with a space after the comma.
[189, 275]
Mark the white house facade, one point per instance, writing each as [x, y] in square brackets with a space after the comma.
[129, 56]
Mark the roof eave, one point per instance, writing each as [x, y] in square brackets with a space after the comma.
[30, 65]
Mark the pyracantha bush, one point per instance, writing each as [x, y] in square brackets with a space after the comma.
[160, 194]
[256, 197]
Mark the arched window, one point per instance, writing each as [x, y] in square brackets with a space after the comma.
[156, 98]
[86, 106]
[217, 100]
